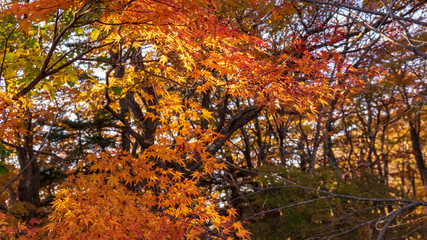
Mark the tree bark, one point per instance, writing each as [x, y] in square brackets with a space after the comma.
[414, 128]
[329, 153]
[29, 185]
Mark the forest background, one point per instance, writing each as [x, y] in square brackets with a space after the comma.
[213, 119]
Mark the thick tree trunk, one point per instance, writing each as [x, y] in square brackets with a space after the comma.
[119, 72]
[29, 185]
[125, 135]
[414, 128]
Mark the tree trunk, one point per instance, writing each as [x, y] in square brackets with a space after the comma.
[329, 154]
[29, 185]
[313, 152]
[414, 128]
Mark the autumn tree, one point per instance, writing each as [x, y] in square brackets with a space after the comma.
[147, 119]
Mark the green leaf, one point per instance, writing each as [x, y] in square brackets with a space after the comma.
[95, 33]
[117, 90]
[78, 31]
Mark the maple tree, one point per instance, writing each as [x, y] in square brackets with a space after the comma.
[146, 119]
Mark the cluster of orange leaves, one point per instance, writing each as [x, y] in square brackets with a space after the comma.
[114, 195]
[11, 228]
[12, 112]
[123, 197]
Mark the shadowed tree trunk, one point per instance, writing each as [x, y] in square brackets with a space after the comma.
[329, 154]
[414, 128]
[29, 185]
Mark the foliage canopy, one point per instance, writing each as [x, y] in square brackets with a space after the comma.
[199, 119]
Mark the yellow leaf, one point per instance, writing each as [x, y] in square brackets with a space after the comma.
[163, 59]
